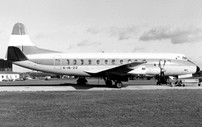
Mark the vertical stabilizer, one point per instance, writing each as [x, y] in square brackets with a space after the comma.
[20, 38]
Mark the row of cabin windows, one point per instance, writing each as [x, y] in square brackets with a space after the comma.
[113, 61]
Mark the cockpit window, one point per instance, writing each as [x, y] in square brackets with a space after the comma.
[184, 57]
[181, 58]
[178, 57]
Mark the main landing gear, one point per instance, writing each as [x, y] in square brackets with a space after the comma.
[117, 83]
[108, 82]
[82, 81]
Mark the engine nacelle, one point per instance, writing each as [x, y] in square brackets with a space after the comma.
[153, 71]
[145, 70]
[185, 76]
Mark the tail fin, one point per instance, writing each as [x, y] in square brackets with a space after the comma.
[20, 39]
[15, 54]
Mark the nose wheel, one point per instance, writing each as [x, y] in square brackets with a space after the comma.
[161, 78]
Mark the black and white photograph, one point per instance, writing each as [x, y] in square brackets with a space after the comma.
[100, 63]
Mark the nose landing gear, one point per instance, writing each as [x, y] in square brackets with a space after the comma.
[161, 78]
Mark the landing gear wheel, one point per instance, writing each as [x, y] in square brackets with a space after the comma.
[81, 81]
[118, 84]
[108, 83]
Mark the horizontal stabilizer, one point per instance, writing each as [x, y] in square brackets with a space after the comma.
[15, 54]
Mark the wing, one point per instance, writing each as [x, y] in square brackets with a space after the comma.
[121, 70]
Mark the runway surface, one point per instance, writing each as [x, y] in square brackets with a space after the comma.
[93, 85]
[138, 103]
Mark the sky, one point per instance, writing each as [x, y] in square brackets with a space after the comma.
[171, 26]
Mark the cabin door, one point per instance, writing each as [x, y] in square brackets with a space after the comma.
[57, 62]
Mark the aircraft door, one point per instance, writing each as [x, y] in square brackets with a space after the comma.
[57, 62]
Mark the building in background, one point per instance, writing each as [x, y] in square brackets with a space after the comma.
[6, 71]
[8, 76]
[5, 66]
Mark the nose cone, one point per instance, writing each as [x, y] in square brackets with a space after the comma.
[197, 69]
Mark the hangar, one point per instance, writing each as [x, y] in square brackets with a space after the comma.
[6, 73]
[8, 76]
[5, 65]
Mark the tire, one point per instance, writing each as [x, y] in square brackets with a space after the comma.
[118, 84]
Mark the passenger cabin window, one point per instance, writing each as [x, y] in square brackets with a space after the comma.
[106, 61]
[89, 62]
[98, 61]
[113, 61]
[67, 61]
[144, 60]
[82, 62]
[74, 62]
[184, 58]
[121, 61]
[58, 60]
[178, 57]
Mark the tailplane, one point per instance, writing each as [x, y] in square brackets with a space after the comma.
[20, 39]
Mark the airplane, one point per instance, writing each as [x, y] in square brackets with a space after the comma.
[114, 68]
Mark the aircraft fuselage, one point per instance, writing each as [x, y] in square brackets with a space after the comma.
[87, 64]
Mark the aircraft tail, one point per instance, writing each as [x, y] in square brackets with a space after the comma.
[20, 38]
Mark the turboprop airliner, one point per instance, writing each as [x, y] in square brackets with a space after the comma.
[114, 68]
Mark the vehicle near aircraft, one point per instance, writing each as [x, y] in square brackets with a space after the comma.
[112, 67]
